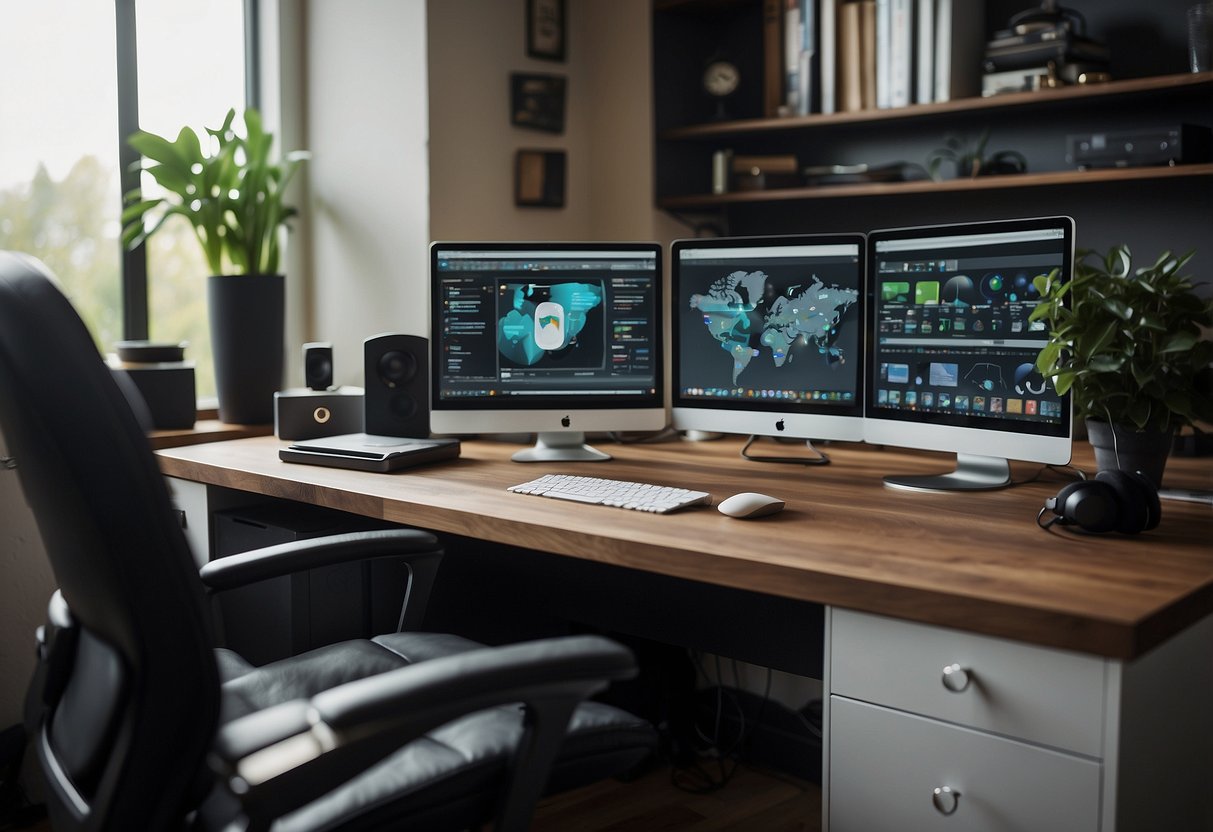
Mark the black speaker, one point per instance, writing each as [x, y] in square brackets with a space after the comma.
[318, 365]
[311, 414]
[397, 399]
[1115, 501]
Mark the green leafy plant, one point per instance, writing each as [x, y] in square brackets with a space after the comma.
[970, 159]
[231, 195]
[1128, 343]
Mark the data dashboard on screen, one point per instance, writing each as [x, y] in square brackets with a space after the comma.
[548, 338]
[952, 364]
[768, 335]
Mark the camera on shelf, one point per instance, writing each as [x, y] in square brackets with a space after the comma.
[1043, 47]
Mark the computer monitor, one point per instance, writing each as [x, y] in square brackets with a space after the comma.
[952, 362]
[767, 335]
[549, 338]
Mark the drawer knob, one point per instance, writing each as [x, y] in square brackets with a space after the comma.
[955, 678]
[946, 799]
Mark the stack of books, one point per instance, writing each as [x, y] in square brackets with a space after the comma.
[826, 56]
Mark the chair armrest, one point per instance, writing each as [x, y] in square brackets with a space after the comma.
[419, 549]
[286, 558]
[284, 757]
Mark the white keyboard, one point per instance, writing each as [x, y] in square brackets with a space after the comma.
[641, 496]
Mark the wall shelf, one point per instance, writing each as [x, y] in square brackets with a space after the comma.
[984, 183]
[1184, 82]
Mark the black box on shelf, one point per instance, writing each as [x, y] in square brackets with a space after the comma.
[312, 414]
[1182, 144]
[168, 390]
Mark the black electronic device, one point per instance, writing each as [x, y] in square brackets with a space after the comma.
[1115, 501]
[363, 452]
[397, 381]
[318, 365]
[1181, 144]
[309, 414]
[1050, 34]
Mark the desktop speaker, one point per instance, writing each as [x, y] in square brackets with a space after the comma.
[1115, 501]
[312, 414]
[318, 365]
[397, 401]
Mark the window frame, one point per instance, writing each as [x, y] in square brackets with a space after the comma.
[135, 323]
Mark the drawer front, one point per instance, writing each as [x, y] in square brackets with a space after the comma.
[1051, 697]
[886, 765]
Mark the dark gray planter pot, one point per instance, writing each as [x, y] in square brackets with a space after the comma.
[247, 316]
[1130, 450]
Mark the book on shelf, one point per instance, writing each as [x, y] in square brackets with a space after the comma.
[867, 36]
[827, 50]
[808, 50]
[924, 52]
[793, 34]
[776, 163]
[772, 66]
[884, 77]
[857, 55]
[959, 43]
[850, 58]
[901, 45]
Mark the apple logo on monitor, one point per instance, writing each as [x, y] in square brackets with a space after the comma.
[779, 425]
[565, 421]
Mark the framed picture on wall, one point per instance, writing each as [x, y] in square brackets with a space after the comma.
[539, 178]
[545, 29]
[537, 101]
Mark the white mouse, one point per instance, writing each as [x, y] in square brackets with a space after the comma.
[748, 505]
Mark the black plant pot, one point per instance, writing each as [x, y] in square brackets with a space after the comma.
[1117, 446]
[247, 314]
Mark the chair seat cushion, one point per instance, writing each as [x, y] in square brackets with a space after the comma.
[451, 778]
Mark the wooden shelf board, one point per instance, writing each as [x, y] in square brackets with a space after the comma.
[205, 430]
[985, 183]
[757, 126]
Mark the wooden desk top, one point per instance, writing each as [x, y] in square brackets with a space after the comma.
[975, 562]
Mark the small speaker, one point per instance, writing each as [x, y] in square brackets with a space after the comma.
[311, 414]
[318, 365]
[397, 381]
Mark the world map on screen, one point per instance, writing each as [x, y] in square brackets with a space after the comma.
[748, 318]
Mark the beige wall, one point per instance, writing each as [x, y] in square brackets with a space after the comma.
[365, 115]
[26, 584]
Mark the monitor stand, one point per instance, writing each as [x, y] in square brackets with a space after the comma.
[973, 473]
[560, 447]
[819, 457]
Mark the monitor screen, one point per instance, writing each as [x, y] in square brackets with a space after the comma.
[767, 335]
[548, 338]
[953, 354]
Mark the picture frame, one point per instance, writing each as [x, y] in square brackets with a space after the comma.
[539, 178]
[537, 101]
[546, 29]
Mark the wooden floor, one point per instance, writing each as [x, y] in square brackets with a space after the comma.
[752, 799]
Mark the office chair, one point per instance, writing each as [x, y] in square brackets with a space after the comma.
[139, 723]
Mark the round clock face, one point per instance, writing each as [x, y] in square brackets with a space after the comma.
[721, 78]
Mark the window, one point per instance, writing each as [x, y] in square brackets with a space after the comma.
[60, 168]
[59, 182]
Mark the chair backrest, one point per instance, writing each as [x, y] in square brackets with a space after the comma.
[124, 736]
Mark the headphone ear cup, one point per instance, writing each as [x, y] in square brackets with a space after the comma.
[1090, 505]
[1149, 498]
[1131, 513]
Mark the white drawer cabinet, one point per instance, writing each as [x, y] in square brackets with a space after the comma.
[1030, 738]
[886, 774]
[1051, 697]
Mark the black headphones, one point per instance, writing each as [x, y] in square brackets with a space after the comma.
[1115, 501]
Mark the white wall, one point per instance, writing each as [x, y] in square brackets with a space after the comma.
[365, 116]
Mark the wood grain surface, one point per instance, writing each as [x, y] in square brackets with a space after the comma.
[977, 562]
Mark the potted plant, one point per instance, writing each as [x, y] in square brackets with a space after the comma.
[232, 195]
[970, 159]
[1129, 345]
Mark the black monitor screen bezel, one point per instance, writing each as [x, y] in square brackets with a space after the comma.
[552, 402]
[872, 411]
[840, 408]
